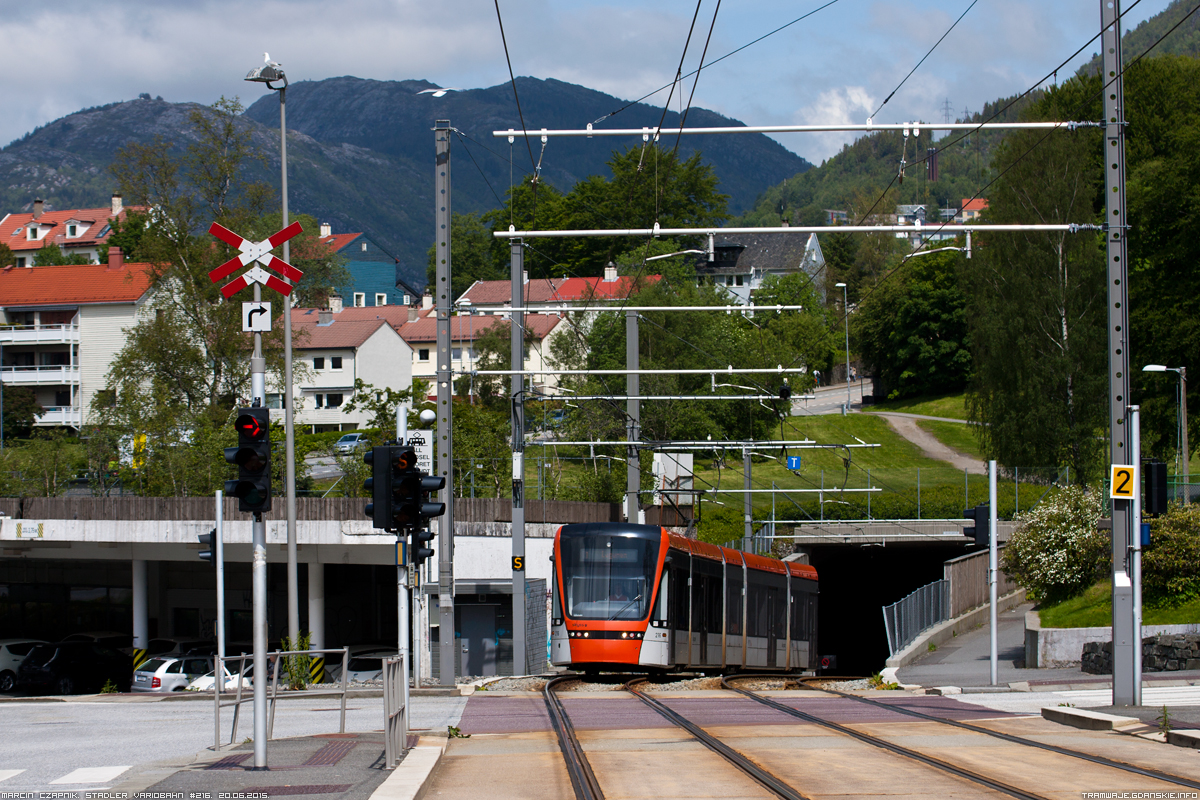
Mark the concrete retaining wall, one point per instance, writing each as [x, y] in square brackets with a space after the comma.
[1063, 647]
[945, 631]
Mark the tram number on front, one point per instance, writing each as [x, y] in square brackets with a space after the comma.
[518, 563]
[1123, 482]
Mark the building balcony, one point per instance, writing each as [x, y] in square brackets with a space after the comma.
[61, 416]
[39, 334]
[40, 376]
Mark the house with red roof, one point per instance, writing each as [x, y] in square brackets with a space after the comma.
[375, 273]
[549, 295]
[60, 328]
[337, 346]
[75, 231]
[971, 209]
[465, 329]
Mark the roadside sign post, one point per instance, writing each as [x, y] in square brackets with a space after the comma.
[260, 252]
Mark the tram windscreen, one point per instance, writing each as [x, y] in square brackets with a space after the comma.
[608, 577]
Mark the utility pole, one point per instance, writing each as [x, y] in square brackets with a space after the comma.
[633, 422]
[748, 506]
[517, 396]
[443, 441]
[1120, 443]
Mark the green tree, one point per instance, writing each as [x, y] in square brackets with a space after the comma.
[7, 257]
[1036, 315]
[481, 445]
[51, 255]
[381, 403]
[1058, 551]
[911, 331]
[474, 255]
[21, 411]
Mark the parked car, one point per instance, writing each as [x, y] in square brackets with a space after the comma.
[351, 442]
[365, 666]
[333, 661]
[204, 683]
[114, 639]
[179, 647]
[73, 667]
[12, 653]
[166, 674]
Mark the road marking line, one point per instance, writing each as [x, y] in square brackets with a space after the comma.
[91, 775]
[5, 774]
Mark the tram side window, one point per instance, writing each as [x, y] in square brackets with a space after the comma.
[680, 598]
[713, 607]
[778, 612]
[557, 613]
[756, 596]
[796, 610]
[733, 601]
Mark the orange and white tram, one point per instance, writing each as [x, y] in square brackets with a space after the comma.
[628, 597]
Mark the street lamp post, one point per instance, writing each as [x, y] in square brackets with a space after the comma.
[270, 73]
[846, 317]
[1181, 421]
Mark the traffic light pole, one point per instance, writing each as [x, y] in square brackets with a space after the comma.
[258, 391]
[443, 441]
[402, 596]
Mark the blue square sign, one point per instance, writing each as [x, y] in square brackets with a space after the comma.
[793, 462]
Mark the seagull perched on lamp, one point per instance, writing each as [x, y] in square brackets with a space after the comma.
[440, 92]
[267, 60]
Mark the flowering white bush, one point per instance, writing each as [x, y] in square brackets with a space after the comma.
[1057, 551]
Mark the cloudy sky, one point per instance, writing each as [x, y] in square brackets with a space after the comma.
[837, 65]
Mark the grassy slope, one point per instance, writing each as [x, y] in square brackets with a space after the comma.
[952, 406]
[1093, 609]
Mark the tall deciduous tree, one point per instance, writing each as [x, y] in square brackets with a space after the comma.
[912, 329]
[1037, 300]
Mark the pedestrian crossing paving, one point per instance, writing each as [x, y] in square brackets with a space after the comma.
[81, 778]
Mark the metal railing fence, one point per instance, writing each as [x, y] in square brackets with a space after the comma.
[273, 692]
[904, 620]
[395, 711]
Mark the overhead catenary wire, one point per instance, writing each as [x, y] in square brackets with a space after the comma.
[922, 61]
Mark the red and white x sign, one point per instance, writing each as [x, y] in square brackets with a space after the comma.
[255, 251]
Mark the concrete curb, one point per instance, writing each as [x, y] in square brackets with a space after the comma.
[1184, 738]
[945, 631]
[1088, 720]
[410, 778]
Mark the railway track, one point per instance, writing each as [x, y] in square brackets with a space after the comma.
[587, 787]
[1146, 772]
[583, 780]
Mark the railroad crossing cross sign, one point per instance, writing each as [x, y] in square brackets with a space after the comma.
[255, 251]
[1123, 482]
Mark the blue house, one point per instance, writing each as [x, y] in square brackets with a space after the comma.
[375, 271]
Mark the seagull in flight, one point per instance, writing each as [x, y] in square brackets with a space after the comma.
[267, 60]
[440, 92]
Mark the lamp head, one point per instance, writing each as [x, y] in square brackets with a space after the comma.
[427, 415]
[840, 285]
[1154, 368]
[266, 74]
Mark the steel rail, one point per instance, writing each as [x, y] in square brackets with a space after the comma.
[768, 781]
[1008, 737]
[883, 744]
[583, 780]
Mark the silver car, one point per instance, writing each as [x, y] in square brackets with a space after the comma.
[169, 674]
[350, 442]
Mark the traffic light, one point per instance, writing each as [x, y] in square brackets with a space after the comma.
[980, 514]
[394, 485]
[428, 508]
[1156, 488]
[253, 457]
[208, 540]
[419, 551]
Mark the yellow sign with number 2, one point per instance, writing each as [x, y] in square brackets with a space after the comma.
[1123, 482]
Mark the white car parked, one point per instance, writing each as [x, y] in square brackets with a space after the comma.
[169, 674]
[204, 683]
[12, 653]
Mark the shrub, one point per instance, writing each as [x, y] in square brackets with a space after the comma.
[1057, 551]
[1171, 564]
